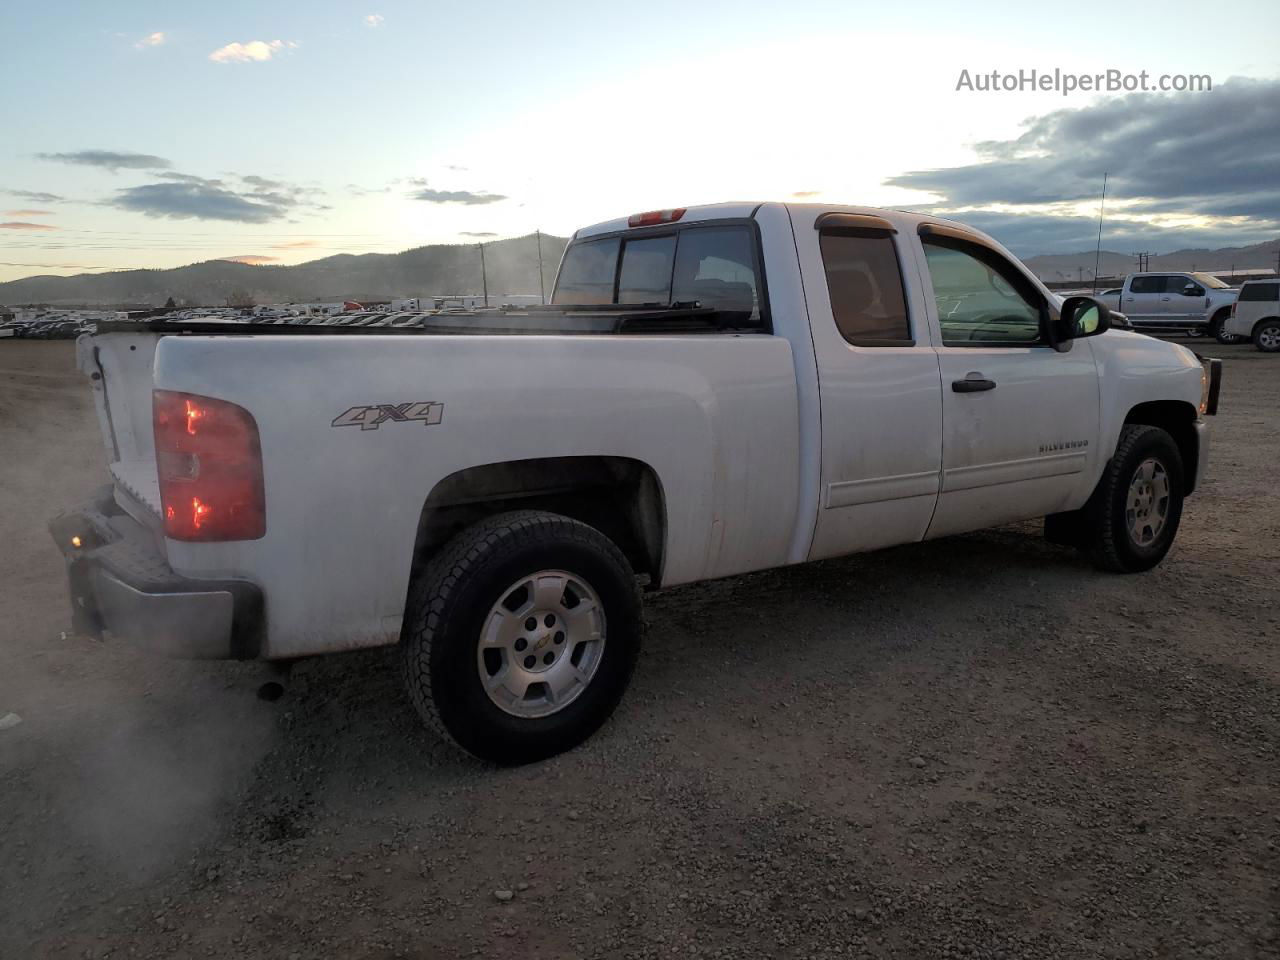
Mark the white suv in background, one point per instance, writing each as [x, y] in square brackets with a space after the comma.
[1256, 314]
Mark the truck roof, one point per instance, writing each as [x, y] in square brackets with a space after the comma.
[744, 209]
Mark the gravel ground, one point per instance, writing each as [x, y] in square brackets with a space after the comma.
[979, 747]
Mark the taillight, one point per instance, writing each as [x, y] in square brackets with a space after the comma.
[210, 467]
[655, 217]
[1233, 308]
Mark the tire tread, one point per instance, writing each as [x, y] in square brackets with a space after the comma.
[433, 597]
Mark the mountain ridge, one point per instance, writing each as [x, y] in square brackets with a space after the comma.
[511, 267]
[440, 269]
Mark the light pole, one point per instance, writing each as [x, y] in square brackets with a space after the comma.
[542, 285]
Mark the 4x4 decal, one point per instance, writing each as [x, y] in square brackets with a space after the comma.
[373, 416]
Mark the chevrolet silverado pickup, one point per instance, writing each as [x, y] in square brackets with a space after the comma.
[713, 390]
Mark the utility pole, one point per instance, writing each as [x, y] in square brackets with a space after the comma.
[1097, 254]
[542, 284]
[484, 277]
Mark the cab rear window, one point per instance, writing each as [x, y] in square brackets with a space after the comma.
[714, 266]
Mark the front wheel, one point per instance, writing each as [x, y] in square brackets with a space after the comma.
[521, 636]
[1134, 513]
[1267, 336]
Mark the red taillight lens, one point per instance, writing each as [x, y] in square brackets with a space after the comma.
[210, 467]
[655, 217]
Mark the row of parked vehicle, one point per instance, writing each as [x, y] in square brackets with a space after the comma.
[46, 329]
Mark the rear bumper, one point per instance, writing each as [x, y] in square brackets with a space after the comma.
[1239, 326]
[122, 585]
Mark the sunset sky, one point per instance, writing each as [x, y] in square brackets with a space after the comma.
[157, 134]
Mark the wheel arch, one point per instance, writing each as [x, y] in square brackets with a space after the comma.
[1253, 331]
[1178, 419]
[621, 497]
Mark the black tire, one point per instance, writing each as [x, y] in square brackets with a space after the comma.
[1108, 541]
[1219, 321]
[1267, 330]
[448, 608]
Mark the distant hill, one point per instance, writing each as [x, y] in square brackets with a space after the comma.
[1070, 266]
[511, 265]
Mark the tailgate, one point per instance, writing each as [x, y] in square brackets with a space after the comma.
[119, 368]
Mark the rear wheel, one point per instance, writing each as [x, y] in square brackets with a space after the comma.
[1266, 336]
[1133, 515]
[521, 636]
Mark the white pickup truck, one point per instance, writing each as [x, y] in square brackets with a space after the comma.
[1195, 303]
[714, 390]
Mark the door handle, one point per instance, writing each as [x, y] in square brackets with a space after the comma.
[1128, 298]
[973, 383]
[1164, 299]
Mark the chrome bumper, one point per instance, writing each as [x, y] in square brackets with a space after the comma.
[122, 586]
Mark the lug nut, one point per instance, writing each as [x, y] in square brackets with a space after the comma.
[530, 662]
[549, 658]
[559, 638]
[531, 623]
[550, 621]
[521, 643]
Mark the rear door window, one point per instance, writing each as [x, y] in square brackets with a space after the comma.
[865, 286]
[1146, 285]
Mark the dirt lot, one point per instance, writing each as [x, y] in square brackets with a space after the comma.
[971, 748]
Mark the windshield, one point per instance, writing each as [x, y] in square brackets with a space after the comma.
[1210, 281]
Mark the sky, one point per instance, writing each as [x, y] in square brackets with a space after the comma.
[154, 134]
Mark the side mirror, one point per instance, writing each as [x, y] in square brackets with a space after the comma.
[1081, 317]
[1192, 290]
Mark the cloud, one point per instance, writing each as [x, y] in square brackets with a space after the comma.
[1193, 167]
[254, 51]
[181, 196]
[251, 259]
[29, 213]
[151, 40]
[805, 194]
[427, 195]
[373, 20]
[35, 196]
[20, 225]
[109, 159]
[477, 233]
[294, 245]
